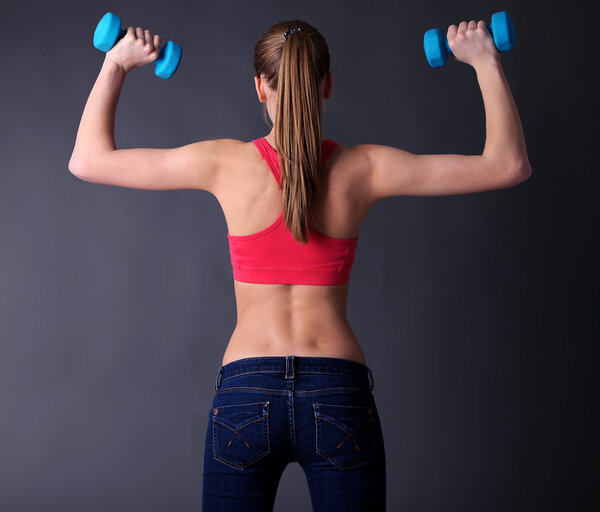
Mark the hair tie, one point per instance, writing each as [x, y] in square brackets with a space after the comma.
[289, 31]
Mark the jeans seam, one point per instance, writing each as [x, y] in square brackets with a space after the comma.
[343, 374]
[250, 373]
[255, 389]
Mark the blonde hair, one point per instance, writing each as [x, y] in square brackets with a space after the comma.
[295, 68]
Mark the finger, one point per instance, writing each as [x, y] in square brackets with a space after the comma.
[139, 33]
[451, 32]
[157, 41]
[472, 25]
[463, 26]
[481, 24]
[130, 32]
[148, 37]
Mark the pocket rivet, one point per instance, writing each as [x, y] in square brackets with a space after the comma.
[215, 411]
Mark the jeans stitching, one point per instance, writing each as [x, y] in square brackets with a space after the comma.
[282, 372]
[258, 390]
[249, 373]
[319, 438]
[297, 392]
[265, 431]
[244, 425]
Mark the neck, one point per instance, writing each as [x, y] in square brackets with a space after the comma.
[270, 138]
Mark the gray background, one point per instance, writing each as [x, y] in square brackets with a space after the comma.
[478, 313]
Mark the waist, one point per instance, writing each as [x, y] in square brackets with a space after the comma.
[280, 370]
[252, 341]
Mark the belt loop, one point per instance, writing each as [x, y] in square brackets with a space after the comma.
[218, 379]
[289, 367]
[371, 379]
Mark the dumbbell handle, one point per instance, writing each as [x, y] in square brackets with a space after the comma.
[122, 33]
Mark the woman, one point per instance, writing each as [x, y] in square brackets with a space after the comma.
[294, 384]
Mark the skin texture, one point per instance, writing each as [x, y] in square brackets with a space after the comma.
[303, 320]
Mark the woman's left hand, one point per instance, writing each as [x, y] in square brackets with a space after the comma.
[136, 48]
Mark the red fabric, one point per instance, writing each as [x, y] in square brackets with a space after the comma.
[272, 256]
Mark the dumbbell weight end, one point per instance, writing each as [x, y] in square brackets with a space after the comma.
[168, 60]
[108, 32]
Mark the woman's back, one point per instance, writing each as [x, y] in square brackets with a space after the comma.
[279, 319]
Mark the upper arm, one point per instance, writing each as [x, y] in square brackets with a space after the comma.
[394, 172]
[193, 166]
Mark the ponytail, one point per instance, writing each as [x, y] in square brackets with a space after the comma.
[303, 63]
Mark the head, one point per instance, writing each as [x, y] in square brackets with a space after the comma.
[292, 79]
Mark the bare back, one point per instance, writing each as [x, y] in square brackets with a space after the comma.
[284, 319]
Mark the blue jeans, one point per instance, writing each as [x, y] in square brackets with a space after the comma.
[317, 411]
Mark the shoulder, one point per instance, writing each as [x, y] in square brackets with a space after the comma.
[354, 160]
[233, 157]
[223, 148]
[234, 148]
[225, 153]
[356, 155]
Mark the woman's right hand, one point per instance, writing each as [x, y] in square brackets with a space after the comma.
[472, 43]
[136, 48]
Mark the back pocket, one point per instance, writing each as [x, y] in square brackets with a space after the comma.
[344, 434]
[241, 433]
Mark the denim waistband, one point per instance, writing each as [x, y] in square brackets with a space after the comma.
[290, 366]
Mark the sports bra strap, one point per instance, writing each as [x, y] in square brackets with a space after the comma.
[270, 155]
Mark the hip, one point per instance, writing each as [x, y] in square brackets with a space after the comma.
[283, 405]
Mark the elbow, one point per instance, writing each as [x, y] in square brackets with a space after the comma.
[519, 173]
[76, 168]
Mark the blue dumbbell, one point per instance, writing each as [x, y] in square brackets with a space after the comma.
[437, 48]
[109, 31]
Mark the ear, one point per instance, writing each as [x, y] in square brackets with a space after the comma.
[258, 83]
[328, 85]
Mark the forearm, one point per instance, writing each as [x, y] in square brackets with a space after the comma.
[96, 129]
[505, 142]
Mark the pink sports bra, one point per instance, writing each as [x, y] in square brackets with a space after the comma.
[272, 256]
